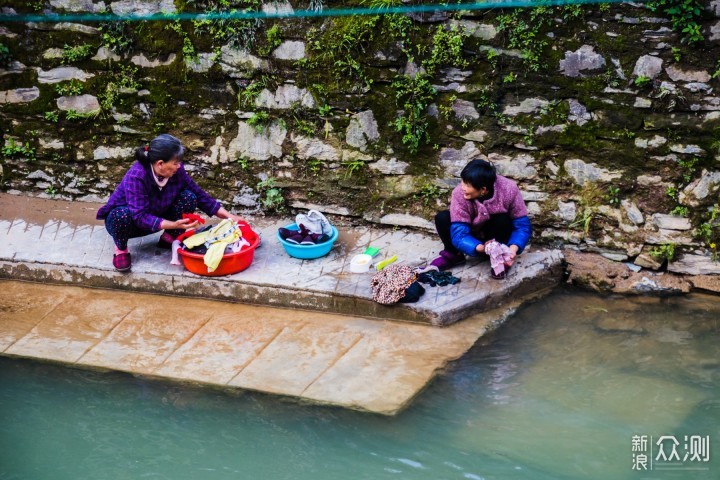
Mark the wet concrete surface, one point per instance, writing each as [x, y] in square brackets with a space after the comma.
[350, 361]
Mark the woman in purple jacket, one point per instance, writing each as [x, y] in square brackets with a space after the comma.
[152, 196]
[483, 207]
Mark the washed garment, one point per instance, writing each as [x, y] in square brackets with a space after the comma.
[315, 222]
[120, 224]
[435, 278]
[469, 216]
[215, 240]
[148, 203]
[499, 253]
[413, 293]
[302, 236]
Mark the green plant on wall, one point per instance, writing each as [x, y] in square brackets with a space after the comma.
[688, 167]
[413, 95]
[271, 195]
[120, 80]
[613, 195]
[273, 39]
[247, 95]
[73, 87]
[354, 167]
[52, 116]
[590, 199]
[76, 53]
[75, 115]
[524, 31]
[188, 49]
[13, 149]
[5, 57]
[707, 231]
[664, 252]
[314, 166]
[428, 192]
[240, 34]
[305, 127]
[680, 211]
[642, 81]
[684, 14]
[339, 45]
[447, 49]
[259, 121]
[116, 37]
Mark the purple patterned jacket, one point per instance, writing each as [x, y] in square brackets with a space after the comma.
[147, 202]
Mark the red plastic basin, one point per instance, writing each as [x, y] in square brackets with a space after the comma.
[230, 263]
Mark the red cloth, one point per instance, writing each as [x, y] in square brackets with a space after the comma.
[194, 217]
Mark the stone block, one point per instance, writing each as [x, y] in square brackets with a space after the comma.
[254, 145]
[582, 172]
[453, 160]
[62, 74]
[83, 104]
[142, 61]
[691, 264]
[19, 95]
[290, 50]
[142, 7]
[529, 105]
[518, 167]
[648, 66]
[583, 59]
[671, 222]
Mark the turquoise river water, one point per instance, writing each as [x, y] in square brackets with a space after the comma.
[557, 393]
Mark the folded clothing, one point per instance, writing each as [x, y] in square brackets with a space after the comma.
[302, 236]
[315, 222]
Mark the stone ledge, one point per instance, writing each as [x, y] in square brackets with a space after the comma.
[63, 253]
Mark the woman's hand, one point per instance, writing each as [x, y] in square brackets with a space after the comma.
[222, 213]
[182, 224]
[513, 253]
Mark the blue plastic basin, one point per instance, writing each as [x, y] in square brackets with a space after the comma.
[308, 252]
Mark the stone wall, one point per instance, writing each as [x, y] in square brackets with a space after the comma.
[606, 117]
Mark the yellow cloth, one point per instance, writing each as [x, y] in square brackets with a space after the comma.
[216, 239]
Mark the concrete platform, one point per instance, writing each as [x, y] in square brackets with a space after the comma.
[67, 251]
[371, 365]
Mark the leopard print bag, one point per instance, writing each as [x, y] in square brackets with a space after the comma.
[390, 284]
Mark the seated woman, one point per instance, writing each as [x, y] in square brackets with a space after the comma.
[485, 206]
[152, 196]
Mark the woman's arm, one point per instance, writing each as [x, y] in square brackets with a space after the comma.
[222, 213]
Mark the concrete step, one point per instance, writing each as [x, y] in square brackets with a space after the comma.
[349, 361]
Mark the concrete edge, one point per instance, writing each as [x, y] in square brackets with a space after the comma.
[231, 291]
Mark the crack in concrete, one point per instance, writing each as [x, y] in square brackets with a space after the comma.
[332, 364]
[107, 335]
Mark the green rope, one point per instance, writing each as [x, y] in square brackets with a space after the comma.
[335, 12]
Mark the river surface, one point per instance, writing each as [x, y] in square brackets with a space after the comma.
[558, 392]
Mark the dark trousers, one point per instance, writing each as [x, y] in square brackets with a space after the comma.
[498, 227]
[121, 227]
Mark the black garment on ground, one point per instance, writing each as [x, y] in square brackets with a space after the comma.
[413, 293]
[434, 278]
[498, 226]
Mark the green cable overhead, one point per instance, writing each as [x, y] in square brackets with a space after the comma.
[329, 12]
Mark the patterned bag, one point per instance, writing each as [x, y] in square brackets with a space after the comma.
[390, 284]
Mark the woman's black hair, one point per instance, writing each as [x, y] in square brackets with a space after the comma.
[479, 174]
[163, 147]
